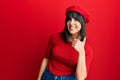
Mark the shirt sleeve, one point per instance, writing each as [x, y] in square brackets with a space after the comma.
[89, 56]
[49, 48]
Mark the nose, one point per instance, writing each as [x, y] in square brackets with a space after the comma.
[72, 21]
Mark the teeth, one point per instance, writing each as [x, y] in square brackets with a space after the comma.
[72, 27]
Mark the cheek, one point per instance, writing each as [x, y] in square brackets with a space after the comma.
[67, 23]
[79, 26]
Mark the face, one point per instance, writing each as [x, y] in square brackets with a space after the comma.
[74, 26]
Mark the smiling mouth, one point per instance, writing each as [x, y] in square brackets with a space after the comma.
[72, 27]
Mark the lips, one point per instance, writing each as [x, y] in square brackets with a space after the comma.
[72, 27]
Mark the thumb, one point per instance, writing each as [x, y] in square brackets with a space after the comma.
[84, 40]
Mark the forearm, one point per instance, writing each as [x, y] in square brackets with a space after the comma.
[42, 68]
[81, 72]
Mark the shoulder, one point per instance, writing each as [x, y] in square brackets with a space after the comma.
[56, 37]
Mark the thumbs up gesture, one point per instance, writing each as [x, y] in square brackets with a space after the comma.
[79, 45]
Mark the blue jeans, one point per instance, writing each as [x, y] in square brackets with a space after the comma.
[47, 75]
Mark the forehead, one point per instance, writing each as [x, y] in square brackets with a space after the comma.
[72, 18]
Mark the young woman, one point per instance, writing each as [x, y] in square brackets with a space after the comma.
[68, 54]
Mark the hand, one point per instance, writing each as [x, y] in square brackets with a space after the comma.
[38, 78]
[79, 45]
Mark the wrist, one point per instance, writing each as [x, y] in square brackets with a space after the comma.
[81, 52]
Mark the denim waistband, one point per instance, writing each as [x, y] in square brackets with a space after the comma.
[47, 75]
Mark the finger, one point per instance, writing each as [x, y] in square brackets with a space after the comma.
[73, 45]
[84, 40]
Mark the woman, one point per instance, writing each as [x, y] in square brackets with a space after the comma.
[68, 55]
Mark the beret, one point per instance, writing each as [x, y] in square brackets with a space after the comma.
[78, 10]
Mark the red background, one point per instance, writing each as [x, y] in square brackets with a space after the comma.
[25, 27]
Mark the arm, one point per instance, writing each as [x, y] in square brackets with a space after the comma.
[45, 59]
[42, 68]
[81, 72]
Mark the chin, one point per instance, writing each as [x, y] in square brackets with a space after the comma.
[72, 32]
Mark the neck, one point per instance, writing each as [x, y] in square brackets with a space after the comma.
[72, 37]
